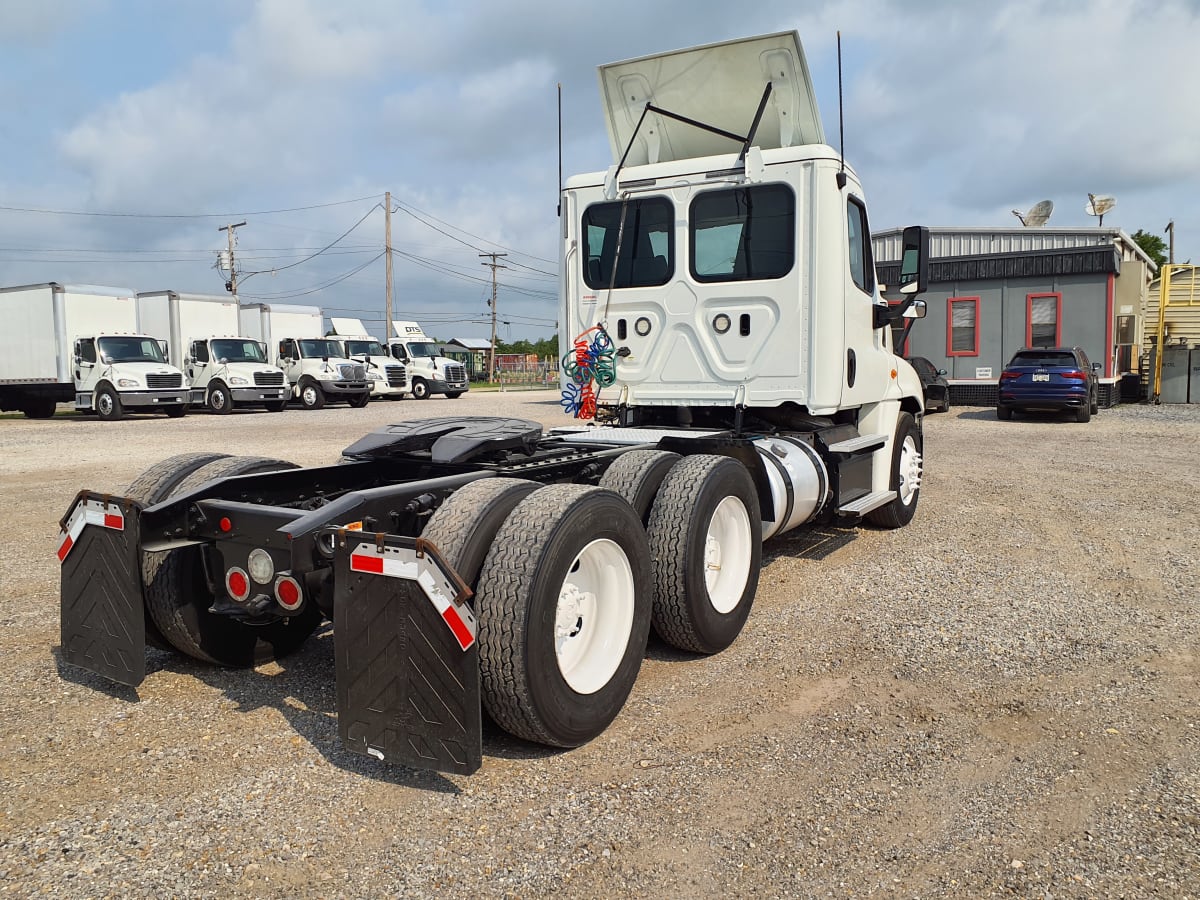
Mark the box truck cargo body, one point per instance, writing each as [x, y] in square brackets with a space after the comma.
[81, 342]
[312, 364]
[204, 338]
[388, 376]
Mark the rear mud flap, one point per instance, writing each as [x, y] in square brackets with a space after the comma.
[406, 658]
[102, 618]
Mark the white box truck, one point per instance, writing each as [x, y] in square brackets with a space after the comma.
[388, 376]
[718, 289]
[64, 342]
[312, 364]
[428, 371]
[203, 337]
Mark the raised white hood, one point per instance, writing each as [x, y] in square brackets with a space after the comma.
[718, 84]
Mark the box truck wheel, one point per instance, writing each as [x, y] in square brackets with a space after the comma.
[358, 401]
[311, 395]
[175, 410]
[907, 466]
[178, 595]
[39, 407]
[637, 475]
[219, 399]
[563, 602]
[277, 405]
[420, 390]
[705, 531]
[156, 484]
[108, 403]
[454, 395]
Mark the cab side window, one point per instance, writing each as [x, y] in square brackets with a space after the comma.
[286, 349]
[200, 351]
[862, 266]
[87, 350]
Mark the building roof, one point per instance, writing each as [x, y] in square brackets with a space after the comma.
[472, 343]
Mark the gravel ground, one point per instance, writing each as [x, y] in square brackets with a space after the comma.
[1000, 699]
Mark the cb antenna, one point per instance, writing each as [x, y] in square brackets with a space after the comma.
[560, 184]
[841, 175]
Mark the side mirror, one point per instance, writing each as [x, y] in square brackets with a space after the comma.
[914, 260]
[915, 310]
[224, 360]
[1095, 367]
[106, 359]
[941, 371]
[78, 359]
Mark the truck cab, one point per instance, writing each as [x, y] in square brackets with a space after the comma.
[428, 371]
[388, 376]
[318, 372]
[114, 373]
[233, 371]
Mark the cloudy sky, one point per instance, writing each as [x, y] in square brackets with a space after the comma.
[130, 130]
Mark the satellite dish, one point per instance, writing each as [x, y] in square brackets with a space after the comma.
[1039, 214]
[1098, 205]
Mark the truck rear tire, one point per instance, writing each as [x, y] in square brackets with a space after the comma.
[108, 403]
[907, 468]
[311, 395]
[464, 527]
[637, 475]
[40, 408]
[219, 399]
[156, 484]
[178, 596]
[705, 531]
[563, 603]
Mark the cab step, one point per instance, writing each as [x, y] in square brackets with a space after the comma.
[866, 503]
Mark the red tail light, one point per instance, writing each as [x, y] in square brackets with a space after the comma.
[237, 583]
[1006, 375]
[288, 592]
[1075, 376]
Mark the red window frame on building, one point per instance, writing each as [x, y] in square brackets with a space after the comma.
[950, 351]
[1029, 298]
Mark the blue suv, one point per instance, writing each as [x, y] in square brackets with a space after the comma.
[1051, 378]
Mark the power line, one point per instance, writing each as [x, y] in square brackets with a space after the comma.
[413, 210]
[283, 295]
[323, 249]
[223, 215]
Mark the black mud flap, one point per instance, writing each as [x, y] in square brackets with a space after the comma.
[406, 658]
[102, 617]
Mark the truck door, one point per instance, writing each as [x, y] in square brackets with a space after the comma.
[289, 360]
[866, 365]
[198, 369]
[86, 370]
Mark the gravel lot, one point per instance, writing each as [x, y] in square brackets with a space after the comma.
[1000, 699]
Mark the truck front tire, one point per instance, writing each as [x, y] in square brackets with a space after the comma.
[108, 403]
[311, 395]
[219, 399]
[420, 390]
[907, 469]
[358, 401]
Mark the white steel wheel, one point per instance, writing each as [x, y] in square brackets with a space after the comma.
[907, 468]
[910, 470]
[594, 616]
[703, 530]
[728, 554]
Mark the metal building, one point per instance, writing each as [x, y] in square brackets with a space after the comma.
[996, 290]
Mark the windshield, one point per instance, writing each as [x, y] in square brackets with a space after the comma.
[423, 348]
[364, 348]
[312, 349]
[236, 350]
[1044, 358]
[130, 349]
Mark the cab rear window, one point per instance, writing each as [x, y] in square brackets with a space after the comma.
[1044, 359]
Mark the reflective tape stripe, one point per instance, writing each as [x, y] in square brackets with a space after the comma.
[401, 562]
[88, 512]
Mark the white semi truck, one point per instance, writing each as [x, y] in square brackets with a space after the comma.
[81, 343]
[313, 365]
[428, 371]
[388, 376]
[722, 329]
[203, 337]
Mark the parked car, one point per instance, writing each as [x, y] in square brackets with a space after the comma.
[933, 383]
[1049, 378]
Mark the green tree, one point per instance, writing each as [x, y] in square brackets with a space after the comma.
[1155, 247]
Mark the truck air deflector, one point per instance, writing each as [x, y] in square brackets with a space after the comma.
[406, 659]
[102, 618]
[718, 84]
[449, 439]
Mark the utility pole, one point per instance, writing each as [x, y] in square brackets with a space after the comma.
[387, 248]
[231, 285]
[493, 265]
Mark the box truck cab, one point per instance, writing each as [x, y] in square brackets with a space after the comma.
[81, 343]
[428, 371]
[312, 364]
[203, 337]
[388, 376]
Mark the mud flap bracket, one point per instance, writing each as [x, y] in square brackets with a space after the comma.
[406, 658]
[101, 613]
